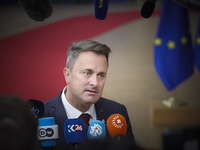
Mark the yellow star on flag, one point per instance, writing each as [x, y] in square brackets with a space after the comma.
[183, 40]
[158, 41]
[198, 41]
[171, 45]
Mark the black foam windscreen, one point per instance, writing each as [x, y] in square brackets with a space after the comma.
[147, 9]
[37, 10]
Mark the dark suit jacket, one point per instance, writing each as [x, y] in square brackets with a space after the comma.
[104, 108]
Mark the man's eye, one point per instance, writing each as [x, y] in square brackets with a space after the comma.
[86, 73]
[101, 75]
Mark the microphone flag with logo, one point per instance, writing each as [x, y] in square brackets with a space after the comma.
[116, 125]
[96, 130]
[101, 9]
[173, 46]
[197, 48]
[74, 130]
[47, 131]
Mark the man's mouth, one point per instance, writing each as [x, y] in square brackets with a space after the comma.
[91, 91]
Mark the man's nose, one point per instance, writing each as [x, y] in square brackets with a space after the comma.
[94, 80]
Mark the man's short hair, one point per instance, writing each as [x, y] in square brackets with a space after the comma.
[76, 48]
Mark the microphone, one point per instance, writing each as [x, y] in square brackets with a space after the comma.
[101, 9]
[96, 130]
[37, 107]
[148, 8]
[47, 132]
[74, 131]
[37, 10]
[117, 126]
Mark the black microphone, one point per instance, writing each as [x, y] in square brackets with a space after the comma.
[37, 107]
[37, 10]
[148, 8]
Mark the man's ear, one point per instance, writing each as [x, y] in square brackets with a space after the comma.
[66, 73]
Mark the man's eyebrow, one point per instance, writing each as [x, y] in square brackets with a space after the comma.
[87, 69]
[90, 70]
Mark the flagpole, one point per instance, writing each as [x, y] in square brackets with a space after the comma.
[172, 100]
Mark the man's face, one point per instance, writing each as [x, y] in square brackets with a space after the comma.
[86, 80]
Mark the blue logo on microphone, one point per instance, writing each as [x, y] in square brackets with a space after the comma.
[35, 111]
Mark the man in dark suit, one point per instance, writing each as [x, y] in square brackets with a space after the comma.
[85, 75]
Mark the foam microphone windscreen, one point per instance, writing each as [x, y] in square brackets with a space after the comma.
[116, 125]
[147, 9]
[101, 9]
[37, 107]
[96, 130]
[74, 130]
[47, 131]
[37, 10]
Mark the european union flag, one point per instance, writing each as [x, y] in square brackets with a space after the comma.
[173, 45]
[197, 48]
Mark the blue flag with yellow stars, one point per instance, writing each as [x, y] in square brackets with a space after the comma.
[173, 46]
[197, 48]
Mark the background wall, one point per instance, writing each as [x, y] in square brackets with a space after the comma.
[132, 79]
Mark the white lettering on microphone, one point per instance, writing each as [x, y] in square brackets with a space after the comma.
[117, 123]
[75, 128]
[46, 132]
[96, 130]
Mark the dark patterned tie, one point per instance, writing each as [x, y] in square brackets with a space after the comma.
[85, 118]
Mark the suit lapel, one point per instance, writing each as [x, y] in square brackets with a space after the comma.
[100, 111]
[60, 117]
[59, 111]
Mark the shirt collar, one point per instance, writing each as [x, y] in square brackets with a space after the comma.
[72, 112]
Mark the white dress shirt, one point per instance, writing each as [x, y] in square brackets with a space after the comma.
[72, 112]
